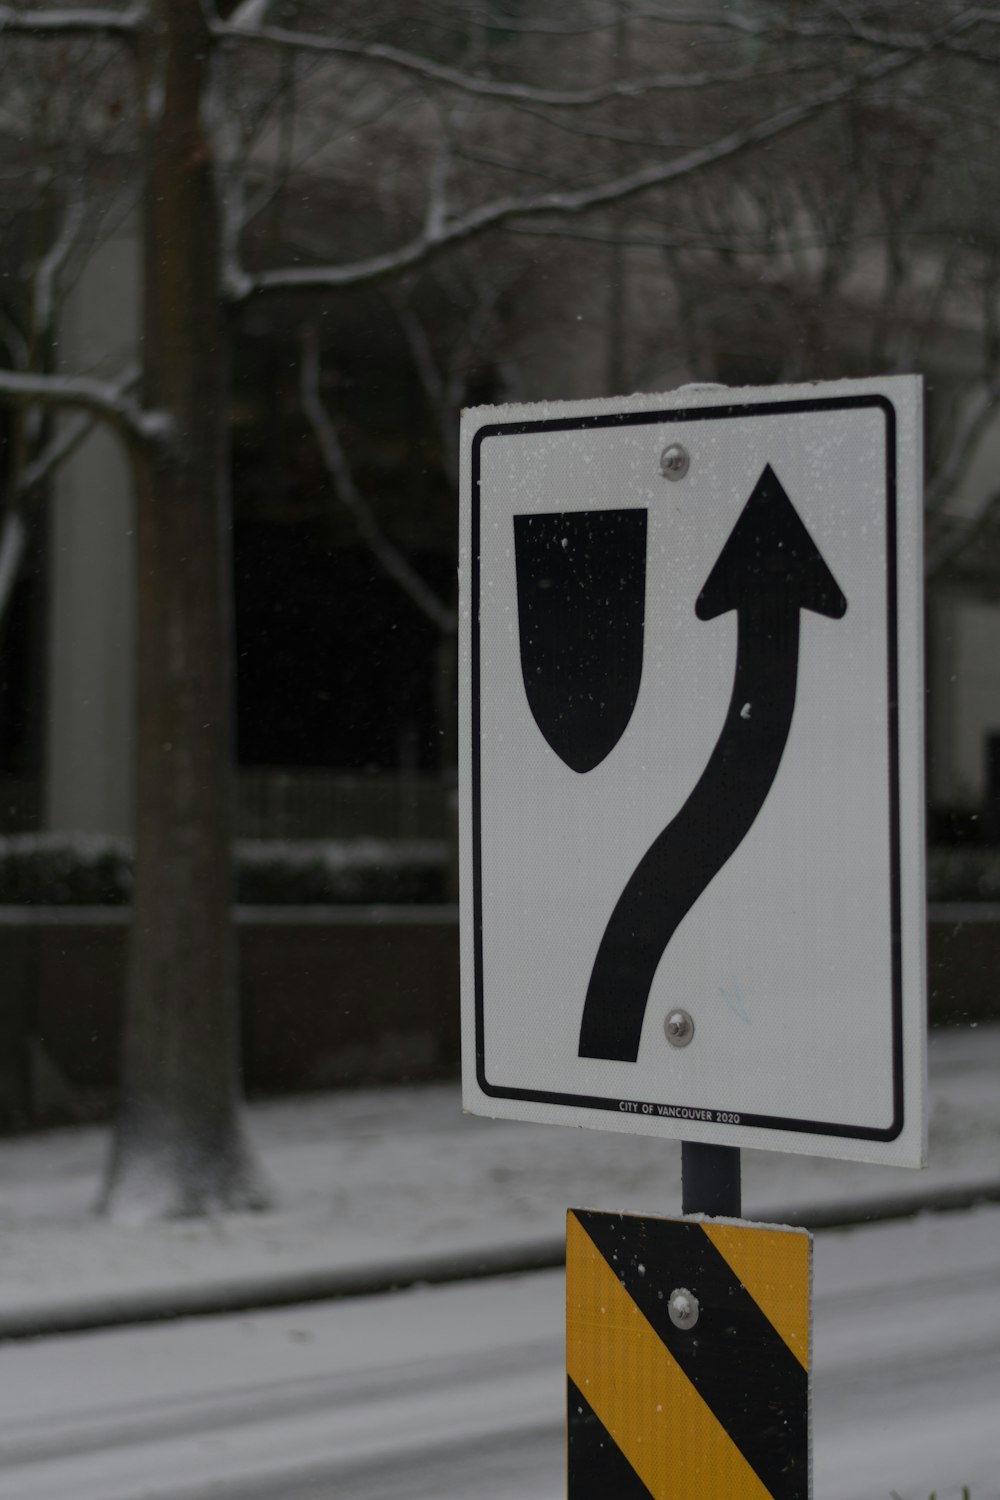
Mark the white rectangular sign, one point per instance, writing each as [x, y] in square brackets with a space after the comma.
[691, 766]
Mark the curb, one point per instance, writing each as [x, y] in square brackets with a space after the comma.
[252, 1294]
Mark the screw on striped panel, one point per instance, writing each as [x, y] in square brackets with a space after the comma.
[661, 1403]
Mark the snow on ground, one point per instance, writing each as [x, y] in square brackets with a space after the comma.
[381, 1176]
[457, 1393]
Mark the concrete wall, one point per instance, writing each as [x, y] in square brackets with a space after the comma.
[330, 997]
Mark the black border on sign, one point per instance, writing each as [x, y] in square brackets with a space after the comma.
[700, 414]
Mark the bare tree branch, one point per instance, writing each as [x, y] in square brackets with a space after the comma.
[17, 344]
[476, 84]
[104, 399]
[29, 478]
[239, 211]
[13, 543]
[250, 13]
[849, 30]
[14, 528]
[54, 261]
[573, 125]
[86, 21]
[439, 389]
[558, 204]
[436, 212]
[722, 20]
[47, 460]
[535, 27]
[432, 381]
[388, 556]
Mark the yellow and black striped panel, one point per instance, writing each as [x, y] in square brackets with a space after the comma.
[717, 1411]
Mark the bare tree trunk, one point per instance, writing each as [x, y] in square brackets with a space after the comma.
[179, 1146]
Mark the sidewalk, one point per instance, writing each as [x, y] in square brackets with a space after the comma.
[391, 1186]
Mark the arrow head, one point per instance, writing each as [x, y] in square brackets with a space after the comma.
[770, 560]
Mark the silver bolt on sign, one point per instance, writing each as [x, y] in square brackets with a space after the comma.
[679, 1028]
[683, 1308]
[675, 461]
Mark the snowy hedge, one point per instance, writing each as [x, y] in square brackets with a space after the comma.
[83, 870]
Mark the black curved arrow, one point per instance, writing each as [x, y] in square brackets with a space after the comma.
[768, 571]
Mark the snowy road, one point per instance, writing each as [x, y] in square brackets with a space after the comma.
[455, 1393]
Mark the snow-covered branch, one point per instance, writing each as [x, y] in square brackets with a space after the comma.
[14, 529]
[250, 28]
[536, 26]
[250, 13]
[68, 437]
[104, 399]
[477, 84]
[388, 556]
[86, 21]
[557, 205]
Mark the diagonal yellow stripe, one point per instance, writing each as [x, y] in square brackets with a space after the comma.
[639, 1392]
[773, 1265]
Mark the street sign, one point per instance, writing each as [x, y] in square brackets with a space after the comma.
[687, 1359]
[691, 766]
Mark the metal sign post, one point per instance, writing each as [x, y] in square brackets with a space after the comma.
[692, 850]
[710, 1180]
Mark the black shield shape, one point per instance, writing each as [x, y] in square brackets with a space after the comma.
[581, 596]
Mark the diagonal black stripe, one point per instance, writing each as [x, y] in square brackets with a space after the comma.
[597, 1467]
[738, 1363]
